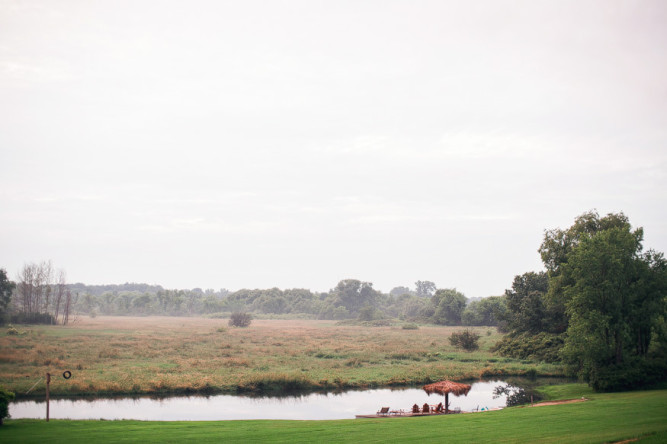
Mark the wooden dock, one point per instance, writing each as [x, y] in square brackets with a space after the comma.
[409, 414]
[398, 415]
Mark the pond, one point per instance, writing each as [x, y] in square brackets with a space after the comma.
[315, 406]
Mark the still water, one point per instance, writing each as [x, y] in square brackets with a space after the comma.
[344, 405]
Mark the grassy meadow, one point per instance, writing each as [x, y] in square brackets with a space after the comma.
[616, 417]
[145, 355]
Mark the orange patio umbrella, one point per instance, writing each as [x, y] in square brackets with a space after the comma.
[447, 387]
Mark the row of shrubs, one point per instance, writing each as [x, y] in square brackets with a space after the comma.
[30, 318]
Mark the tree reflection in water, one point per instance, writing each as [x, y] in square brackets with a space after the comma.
[516, 395]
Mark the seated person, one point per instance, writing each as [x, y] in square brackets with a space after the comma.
[439, 408]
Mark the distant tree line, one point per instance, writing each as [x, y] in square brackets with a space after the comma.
[35, 298]
[349, 299]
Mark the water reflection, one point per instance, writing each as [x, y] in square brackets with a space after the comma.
[519, 391]
[342, 405]
[515, 395]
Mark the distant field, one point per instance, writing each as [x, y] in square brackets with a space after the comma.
[604, 418]
[122, 355]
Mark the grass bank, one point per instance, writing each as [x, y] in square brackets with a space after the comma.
[604, 418]
[147, 355]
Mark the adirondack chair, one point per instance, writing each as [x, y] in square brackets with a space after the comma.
[384, 411]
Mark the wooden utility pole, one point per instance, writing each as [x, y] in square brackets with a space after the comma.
[48, 381]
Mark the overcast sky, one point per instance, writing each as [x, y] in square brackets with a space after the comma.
[253, 144]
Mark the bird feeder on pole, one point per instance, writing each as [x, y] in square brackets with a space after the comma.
[67, 374]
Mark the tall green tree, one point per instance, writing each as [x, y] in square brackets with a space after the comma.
[533, 334]
[488, 311]
[614, 301]
[425, 289]
[353, 295]
[555, 251]
[526, 309]
[604, 307]
[449, 305]
[6, 289]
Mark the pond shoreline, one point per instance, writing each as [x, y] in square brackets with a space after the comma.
[275, 391]
[313, 406]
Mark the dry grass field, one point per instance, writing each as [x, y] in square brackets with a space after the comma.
[126, 355]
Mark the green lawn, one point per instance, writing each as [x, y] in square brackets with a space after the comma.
[604, 418]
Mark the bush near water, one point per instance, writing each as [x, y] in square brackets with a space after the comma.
[5, 398]
[466, 339]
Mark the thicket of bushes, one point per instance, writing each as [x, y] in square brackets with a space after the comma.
[535, 346]
[466, 339]
[5, 398]
[240, 319]
[630, 375]
[32, 318]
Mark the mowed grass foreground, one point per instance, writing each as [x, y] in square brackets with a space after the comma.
[142, 355]
[604, 418]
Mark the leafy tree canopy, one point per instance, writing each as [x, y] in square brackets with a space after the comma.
[400, 291]
[6, 289]
[449, 305]
[425, 288]
[486, 311]
[601, 305]
[525, 303]
[615, 299]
